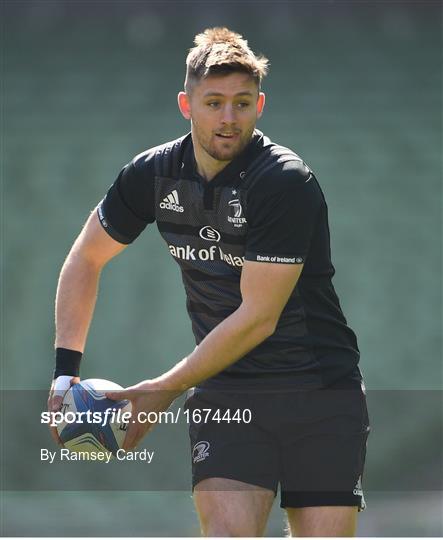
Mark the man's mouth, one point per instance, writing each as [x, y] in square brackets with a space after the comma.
[227, 134]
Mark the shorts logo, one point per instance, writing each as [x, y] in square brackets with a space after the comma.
[200, 451]
[358, 490]
[210, 234]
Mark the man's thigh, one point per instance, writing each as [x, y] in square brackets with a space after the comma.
[323, 458]
[332, 521]
[232, 508]
[241, 451]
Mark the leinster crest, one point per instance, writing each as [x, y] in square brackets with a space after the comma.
[236, 217]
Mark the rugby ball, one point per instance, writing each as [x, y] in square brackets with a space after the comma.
[91, 422]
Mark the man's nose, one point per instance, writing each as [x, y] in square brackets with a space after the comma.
[228, 115]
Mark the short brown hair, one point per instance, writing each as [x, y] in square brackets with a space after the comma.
[219, 51]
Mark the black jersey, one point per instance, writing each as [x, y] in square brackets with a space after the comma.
[265, 205]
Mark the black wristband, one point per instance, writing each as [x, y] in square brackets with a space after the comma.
[67, 362]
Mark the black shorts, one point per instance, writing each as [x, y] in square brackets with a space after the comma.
[311, 442]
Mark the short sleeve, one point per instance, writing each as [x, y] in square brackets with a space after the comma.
[282, 211]
[128, 206]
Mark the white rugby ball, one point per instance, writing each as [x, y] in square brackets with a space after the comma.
[100, 430]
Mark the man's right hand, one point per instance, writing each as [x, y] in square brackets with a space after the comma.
[59, 387]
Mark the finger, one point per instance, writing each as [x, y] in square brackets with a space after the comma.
[130, 438]
[118, 395]
[135, 435]
[55, 403]
[55, 436]
[141, 434]
[61, 385]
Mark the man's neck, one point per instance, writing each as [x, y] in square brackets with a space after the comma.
[207, 166]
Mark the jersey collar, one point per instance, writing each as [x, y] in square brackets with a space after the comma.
[233, 171]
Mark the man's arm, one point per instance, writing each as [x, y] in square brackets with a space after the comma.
[76, 297]
[125, 211]
[78, 283]
[265, 289]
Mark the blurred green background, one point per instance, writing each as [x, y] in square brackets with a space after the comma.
[355, 89]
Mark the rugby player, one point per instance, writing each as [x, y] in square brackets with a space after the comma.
[246, 220]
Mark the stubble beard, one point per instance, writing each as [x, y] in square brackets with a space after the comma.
[212, 146]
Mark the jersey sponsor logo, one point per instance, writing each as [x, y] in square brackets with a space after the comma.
[171, 202]
[210, 234]
[276, 259]
[200, 451]
[214, 253]
[237, 219]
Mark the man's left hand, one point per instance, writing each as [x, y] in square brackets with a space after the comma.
[145, 397]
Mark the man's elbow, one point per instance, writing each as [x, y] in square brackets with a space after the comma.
[82, 261]
[263, 324]
[268, 326]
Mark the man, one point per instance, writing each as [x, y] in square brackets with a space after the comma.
[247, 222]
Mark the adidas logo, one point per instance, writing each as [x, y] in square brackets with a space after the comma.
[171, 202]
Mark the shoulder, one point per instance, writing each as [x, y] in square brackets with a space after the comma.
[159, 160]
[279, 169]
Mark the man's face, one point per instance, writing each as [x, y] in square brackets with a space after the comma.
[223, 111]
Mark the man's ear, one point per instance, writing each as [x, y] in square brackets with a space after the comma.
[183, 105]
[260, 104]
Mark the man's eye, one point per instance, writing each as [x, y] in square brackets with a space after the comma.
[213, 104]
[243, 105]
